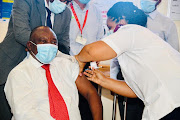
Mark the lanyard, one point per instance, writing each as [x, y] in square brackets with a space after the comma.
[77, 20]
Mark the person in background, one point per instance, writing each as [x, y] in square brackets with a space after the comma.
[145, 60]
[26, 15]
[45, 86]
[86, 27]
[159, 24]
[162, 26]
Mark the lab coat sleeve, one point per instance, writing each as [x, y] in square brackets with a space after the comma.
[19, 93]
[114, 68]
[172, 36]
[122, 40]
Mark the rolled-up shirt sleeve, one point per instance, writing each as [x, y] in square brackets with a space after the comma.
[75, 68]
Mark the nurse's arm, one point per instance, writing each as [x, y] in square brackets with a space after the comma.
[117, 86]
[97, 51]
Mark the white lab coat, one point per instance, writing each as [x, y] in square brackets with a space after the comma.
[151, 68]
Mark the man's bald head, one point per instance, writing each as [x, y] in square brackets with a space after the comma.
[39, 30]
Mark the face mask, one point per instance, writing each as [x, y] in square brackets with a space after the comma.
[113, 31]
[148, 5]
[109, 32]
[117, 27]
[57, 6]
[84, 1]
[46, 52]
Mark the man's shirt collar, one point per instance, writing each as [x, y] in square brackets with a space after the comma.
[75, 5]
[153, 14]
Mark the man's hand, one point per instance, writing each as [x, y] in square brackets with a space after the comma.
[81, 65]
[95, 75]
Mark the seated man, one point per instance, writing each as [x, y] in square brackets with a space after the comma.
[45, 86]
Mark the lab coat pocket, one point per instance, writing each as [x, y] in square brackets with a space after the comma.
[159, 104]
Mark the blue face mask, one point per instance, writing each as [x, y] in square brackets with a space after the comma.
[84, 1]
[148, 5]
[46, 52]
[57, 6]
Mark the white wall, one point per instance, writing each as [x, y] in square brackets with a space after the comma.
[3, 28]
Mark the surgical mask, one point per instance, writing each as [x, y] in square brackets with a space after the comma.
[116, 28]
[57, 6]
[46, 52]
[110, 32]
[84, 1]
[148, 5]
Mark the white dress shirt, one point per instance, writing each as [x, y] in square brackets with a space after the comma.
[27, 88]
[93, 29]
[151, 68]
[52, 14]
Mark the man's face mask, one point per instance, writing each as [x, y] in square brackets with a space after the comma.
[46, 52]
[84, 1]
[148, 5]
[57, 6]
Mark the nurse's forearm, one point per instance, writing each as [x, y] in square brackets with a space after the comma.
[119, 87]
[84, 55]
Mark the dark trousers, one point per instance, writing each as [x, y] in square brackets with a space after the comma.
[174, 115]
[83, 103]
[5, 113]
[134, 108]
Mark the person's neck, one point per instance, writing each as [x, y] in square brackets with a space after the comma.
[82, 6]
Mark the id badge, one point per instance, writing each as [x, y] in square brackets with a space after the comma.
[81, 40]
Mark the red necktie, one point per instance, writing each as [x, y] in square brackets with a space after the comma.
[58, 108]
